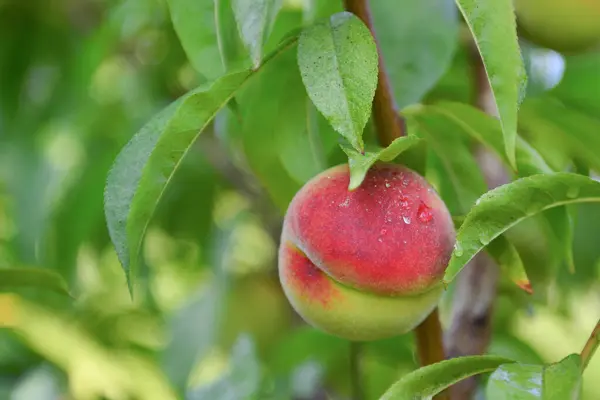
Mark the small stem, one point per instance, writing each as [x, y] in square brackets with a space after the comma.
[388, 123]
[430, 350]
[355, 375]
[590, 347]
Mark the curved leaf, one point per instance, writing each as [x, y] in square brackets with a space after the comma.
[360, 163]
[507, 256]
[147, 163]
[40, 278]
[432, 379]
[493, 25]
[501, 208]
[255, 20]
[338, 62]
[417, 41]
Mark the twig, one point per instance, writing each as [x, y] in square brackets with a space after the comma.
[470, 329]
[388, 123]
[590, 346]
[389, 126]
[355, 375]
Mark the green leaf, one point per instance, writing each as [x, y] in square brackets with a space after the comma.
[148, 162]
[195, 25]
[417, 41]
[360, 163]
[446, 141]
[254, 20]
[579, 86]
[39, 278]
[559, 381]
[493, 25]
[432, 379]
[338, 62]
[487, 131]
[501, 208]
[507, 256]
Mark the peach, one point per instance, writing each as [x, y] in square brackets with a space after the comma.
[568, 26]
[365, 264]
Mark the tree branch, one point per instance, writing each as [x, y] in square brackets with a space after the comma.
[470, 330]
[388, 123]
[389, 126]
[591, 346]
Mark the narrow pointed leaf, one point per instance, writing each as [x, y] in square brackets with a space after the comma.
[501, 208]
[147, 163]
[360, 163]
[255, 19]
[39, 278]
[338, 62]
[507, 256]
[432, 379]
[493, 25]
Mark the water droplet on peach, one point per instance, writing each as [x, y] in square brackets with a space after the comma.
[424, 213]
[406, 219]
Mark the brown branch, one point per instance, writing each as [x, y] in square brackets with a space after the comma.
[388, 123]
[389, 126]
[470, 330]
[591, 346]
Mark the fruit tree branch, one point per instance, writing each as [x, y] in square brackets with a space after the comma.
[388, 123]
[591, 346]
[389, 126]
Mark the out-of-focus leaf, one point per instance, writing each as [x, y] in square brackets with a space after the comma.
[338, 63]
[148, 162]
[432, 379]
[39, 383]
[558, 131]
[242, 380]
[510, 346]
[501, 208]
[93, 371]
[493, 25]
[446, 141]
[487, 130]
[507, 256]
[580, 86]
[417, 40]
[40, 278]
[360, 163]
[560, 381]
[255, 20]
[561, 224]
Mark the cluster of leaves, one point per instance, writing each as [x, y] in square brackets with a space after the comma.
[286, 90]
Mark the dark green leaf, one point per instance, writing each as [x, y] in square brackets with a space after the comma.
[446, 141]
[580, 86]
[560, 381]
[501, 208]
[39, 278]
[338, 62]
[432, 379]
[255, 20]
[493, 25]
[148, 162]
[417, 40]
[507, 256]
[360, 163]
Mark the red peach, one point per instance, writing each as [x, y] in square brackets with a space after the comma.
[365, 264]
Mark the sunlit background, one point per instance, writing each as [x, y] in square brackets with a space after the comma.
[77, 79]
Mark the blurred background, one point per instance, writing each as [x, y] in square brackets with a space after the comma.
[77, 79]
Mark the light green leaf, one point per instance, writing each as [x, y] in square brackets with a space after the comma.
[39, 278]
[360, 163]
[432, 379]
[338, 62]
[501, 208]
[493, 25]
[487, 131]
[559, 381]
[148, 162]
[507, 256]
[417, 41]
[255, 20]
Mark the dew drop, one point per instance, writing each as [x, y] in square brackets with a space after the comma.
[404, 202]
[458, 249]
[424, 213]
[383, 231]
[573, 192]
[380, 240]
[484, 239]
[345, 203]
[387, 185]
[406, 219]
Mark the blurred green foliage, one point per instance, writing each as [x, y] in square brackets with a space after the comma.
[79, 77]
